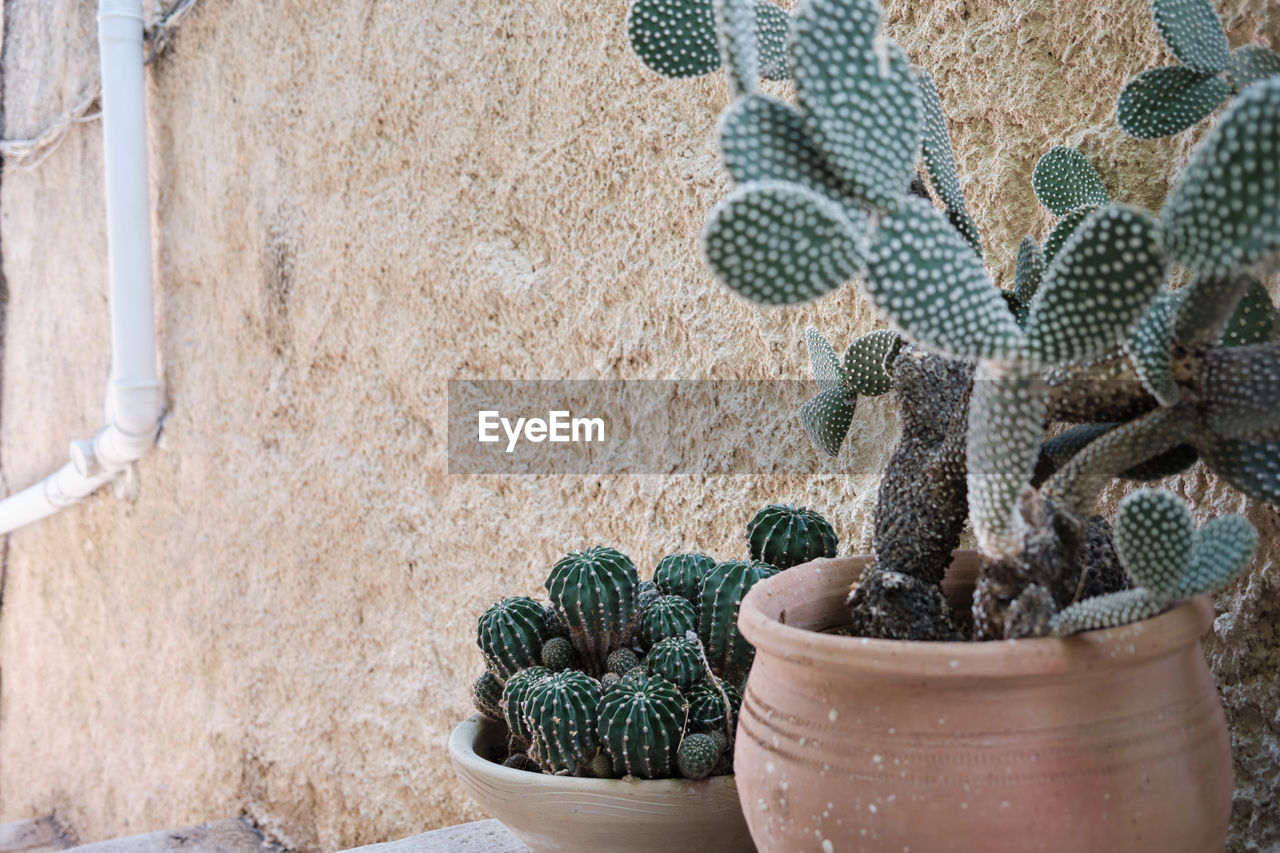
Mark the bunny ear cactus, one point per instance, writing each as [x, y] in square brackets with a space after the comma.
[940, 162]
[1168, 559]
[595, 594]
[677, 38]
[1165, 101]
[866, 369]
[1064, 180]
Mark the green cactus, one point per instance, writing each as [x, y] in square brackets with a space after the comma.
[677, 38]
[1213, 236]
[562, 712]
[1251, 63]
[1064, 180]
[521, 761]
[785, 536]
[697, 756]
[640, 725]
[860, 95]
[558, 654]
[1064, 228]
[1168, 559]
[514, 694]
[778, 243]
[676, 659]
[728, 652]
[940, 161]
[867, 370]
[668, 616]
[1165, 101]
[622, 661]
[736, 33]
[707, 711]
[1149, 347]
[1193, 32]
[510, 635]
[682, 574]
[594, 593]
[486, 695]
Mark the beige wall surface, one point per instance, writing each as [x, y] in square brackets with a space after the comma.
[355, 202]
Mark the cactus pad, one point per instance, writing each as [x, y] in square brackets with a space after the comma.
[562, 713]
[486, 695]
[860, 96]
[1029, 270]
[940, 161]
[1225, 213]
[827, 417]
[675, 38]
[697, 756]
[1252, 466]
[1255, 319]
[1062, 230]
[1240, 392]
[1165, 101]
[594, 592]
[1105, 611]
[778, 243]
[1193, 33]
[1149, 347]
[785, 536]
[728, 652]
[868, 362]
[682, 574]
[1006, 425]
[736, 35]
[510, 635]
[827, 369]
[773, 29]
[924, 278]
[1252, 63]
[669, 616]
[1154, 535]
[1105, 277]
[1064, 180]
[640, 726]
[762, 139]
[677, 660]
[1224, 547]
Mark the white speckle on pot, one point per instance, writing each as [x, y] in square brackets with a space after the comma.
[764, 807]
[954, 664]
[832, 714]
[1004, 804]
[827, 846]
[871, 807]
[768, 767]
[876, 759]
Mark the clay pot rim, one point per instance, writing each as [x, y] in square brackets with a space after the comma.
[477, 728]
[766, 603]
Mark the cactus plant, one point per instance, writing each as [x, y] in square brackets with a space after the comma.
[562, 714]
[486, 695]
[640, 726]
[594, 593]
[1146, 378]
[510, 635]
[558, 654]
[722, 592]
[682, 574]
[677, 660]
[668, 616]
[707, 706]
[784, 536]
[514, 694]
[697, 756]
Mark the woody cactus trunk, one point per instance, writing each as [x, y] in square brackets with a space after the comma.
[1130, 344]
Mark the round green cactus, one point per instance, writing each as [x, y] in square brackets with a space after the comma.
[676, 659]
[514, 693]
[558, 654]
[668, 616]
[728, 651]
[621, 661]
[784, 536]
[707, 710]
[640, 726]
[486, 695]
[595, 594]
[562, 714]
[682, 574]
[697, 756]
[510, 635]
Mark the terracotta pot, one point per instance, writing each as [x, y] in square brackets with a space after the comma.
[1109, 741]
[564, 813]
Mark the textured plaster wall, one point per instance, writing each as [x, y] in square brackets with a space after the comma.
[355, 202]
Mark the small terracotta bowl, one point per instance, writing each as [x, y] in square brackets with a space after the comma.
[552, 814]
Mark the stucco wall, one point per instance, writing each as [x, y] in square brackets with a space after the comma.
[354, 204]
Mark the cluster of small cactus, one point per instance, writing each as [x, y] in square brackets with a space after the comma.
[1090, 336]
[619, 676]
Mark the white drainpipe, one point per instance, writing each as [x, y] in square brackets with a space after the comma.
[133, 391]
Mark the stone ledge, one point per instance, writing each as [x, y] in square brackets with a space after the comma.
[482, 836]
[40, 835]
[223, 836]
